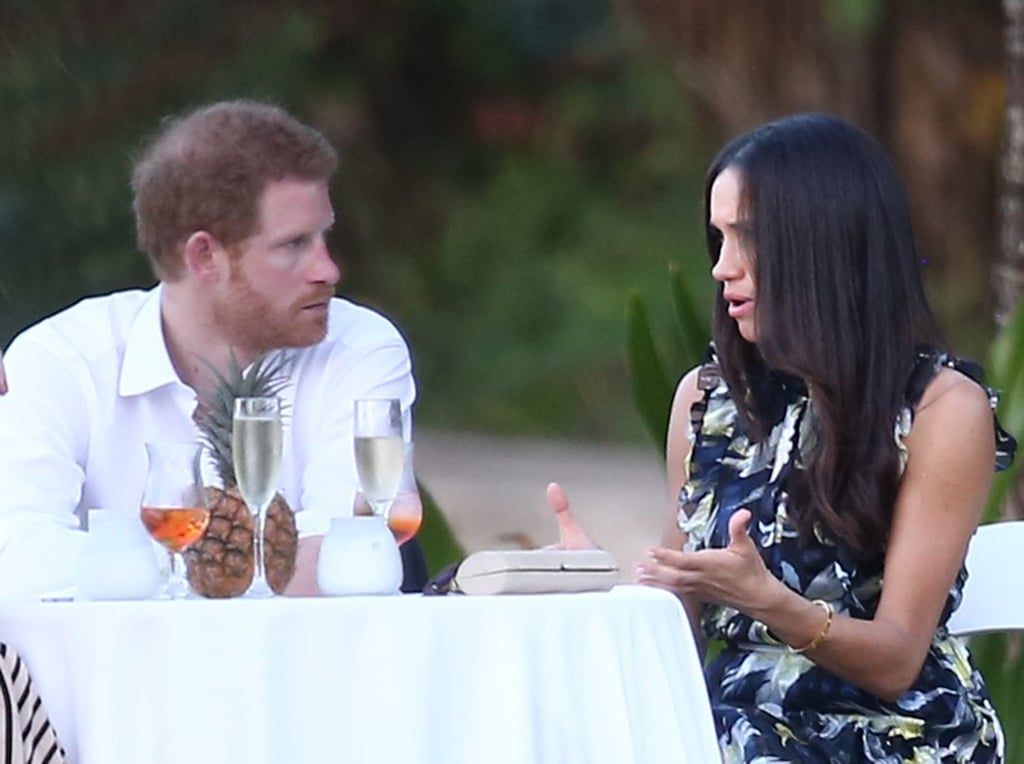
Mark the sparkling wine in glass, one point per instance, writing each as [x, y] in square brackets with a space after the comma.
[257, 444]
[174, 508]
[380, 450]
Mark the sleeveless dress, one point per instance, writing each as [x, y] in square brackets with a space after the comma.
[770, 705]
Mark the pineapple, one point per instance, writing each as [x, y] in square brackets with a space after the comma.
[221, 563]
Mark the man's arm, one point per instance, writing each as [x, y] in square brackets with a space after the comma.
[303, 583]
[377, 368]
[43, 440]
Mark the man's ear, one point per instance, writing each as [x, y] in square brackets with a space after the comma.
[204, 255]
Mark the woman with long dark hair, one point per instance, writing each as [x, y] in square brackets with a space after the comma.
[829, 463]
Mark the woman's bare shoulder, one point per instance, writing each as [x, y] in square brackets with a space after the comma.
[953, 394]
[688, 391]
[689, 384]
[954, 416]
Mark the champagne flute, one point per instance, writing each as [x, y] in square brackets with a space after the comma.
[257, 445]
[379, 449]
[174, 507]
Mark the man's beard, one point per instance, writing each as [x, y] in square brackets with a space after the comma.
[253, 325]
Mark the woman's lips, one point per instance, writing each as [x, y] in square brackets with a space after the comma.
[739, 308]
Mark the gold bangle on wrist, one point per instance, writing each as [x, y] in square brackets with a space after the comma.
[829, 612]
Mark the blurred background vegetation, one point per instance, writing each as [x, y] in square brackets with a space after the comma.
[511, 168]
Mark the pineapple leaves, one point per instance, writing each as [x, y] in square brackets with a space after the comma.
[266, 376]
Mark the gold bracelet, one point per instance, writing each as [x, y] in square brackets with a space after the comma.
[829, 612]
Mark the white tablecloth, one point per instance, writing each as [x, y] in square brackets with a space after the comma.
[599, 677]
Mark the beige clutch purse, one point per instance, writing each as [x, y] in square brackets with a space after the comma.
[535, 571]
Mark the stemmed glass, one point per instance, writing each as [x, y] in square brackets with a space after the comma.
[380, 450]
[257, 444]
[174, 507]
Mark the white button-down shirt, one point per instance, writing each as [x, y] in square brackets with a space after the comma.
[93, 384]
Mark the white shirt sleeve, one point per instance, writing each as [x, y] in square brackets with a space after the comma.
[377, 366]
[44, 435]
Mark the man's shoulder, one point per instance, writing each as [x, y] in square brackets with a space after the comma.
[353, 324]
[93, 324]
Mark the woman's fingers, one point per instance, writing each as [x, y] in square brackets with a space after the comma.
[669, 568]
[715, 575]
[739, 531]
[570, 534]
[734, 575]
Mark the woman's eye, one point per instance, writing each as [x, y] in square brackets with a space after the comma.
[714, 237]
[745, 240]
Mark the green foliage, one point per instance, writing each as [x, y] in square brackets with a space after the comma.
[999, 656]
[694, 330]
[1005, 369]
[515, 312]
[858, 17]
[652, 389]
[440, 546]
[653, 386]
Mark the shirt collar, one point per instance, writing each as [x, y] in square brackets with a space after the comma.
[146, 364]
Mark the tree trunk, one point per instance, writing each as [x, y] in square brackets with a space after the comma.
[1008, 272]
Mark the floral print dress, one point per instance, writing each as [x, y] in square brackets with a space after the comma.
[774, 706]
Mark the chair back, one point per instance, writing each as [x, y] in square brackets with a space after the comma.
[993, 598]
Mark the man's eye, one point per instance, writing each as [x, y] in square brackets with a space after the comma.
[298, 242]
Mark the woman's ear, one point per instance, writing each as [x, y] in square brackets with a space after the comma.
[204, 255]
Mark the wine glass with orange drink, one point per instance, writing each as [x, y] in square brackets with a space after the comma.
[406, 512]
[174, 507]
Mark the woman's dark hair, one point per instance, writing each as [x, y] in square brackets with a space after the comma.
[839, 304]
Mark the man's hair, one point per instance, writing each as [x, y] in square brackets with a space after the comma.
[206, 171]
[840, 305]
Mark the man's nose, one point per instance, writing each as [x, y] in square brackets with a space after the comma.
[324, 269]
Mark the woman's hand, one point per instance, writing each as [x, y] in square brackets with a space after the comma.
[735, 576]
[570, 534]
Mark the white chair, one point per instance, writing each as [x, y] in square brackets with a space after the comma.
[994, 595]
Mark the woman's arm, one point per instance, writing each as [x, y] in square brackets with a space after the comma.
[677, 459]
[941, 497]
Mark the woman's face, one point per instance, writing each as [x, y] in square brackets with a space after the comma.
[734, 268]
